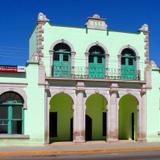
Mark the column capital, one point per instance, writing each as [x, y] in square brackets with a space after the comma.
[143, 91]
[80, 86]
[114, 88]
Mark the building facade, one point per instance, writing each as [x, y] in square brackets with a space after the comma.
[81, 84]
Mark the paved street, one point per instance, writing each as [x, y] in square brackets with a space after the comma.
[130, 155]
[122, 150]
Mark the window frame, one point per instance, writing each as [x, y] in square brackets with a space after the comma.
[10, 118]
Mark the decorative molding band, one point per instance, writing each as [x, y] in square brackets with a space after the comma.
[16, 89]
[17, 136]
[10, 84]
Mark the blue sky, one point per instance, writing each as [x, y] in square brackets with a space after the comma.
[18, 17]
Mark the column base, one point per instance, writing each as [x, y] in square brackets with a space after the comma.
[141, 140]
[79, 139]
[112, 140]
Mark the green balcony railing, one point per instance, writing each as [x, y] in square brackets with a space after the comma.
[80, 72]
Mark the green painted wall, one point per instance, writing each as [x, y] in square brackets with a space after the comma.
[33, 42]
[127, 105]
[13, 78]
[80, 39]
[96, 105]
[62, 104]
[34, 115]
[153, 108]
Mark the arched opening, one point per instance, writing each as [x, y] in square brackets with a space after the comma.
[61, 60]
[128, 118]
[96, 68]
[96, 117]
[61, 118]
[128, 64]
[11, 113]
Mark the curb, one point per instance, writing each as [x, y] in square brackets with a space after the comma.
[77, 151]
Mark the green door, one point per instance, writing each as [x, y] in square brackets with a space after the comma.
[128, 67]
[61, 64]
[96, 65]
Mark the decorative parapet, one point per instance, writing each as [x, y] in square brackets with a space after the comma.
[96, 22]
[145, 30]
[41, 20]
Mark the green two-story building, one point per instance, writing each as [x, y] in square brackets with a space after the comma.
[81, 84]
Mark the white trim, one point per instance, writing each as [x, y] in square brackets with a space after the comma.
[128, 46]
[64, 42]
[21, 92]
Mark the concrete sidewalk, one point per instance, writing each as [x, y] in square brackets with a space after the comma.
[72, 148]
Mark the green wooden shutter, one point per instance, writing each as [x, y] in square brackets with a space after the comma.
[96, 65]
[9, 119]
[62, 64]
[128, 67]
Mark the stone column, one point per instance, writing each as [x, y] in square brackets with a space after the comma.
[142, 118]
[79, 115]
[113, 115]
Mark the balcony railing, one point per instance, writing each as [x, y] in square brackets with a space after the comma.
[79, 72]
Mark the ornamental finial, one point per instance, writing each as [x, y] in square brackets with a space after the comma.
[144, 28]
[42, 17]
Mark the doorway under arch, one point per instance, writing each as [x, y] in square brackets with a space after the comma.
[96, 117]
[61, 118]
[128, 64]
[96, 68]
[128, 118]
[61, 61]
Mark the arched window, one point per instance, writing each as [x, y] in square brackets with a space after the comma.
[96, 62]
[128, 64]
[11, 113]
[61, 60]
